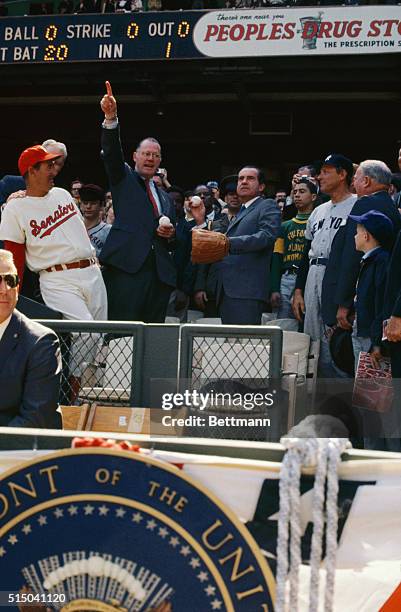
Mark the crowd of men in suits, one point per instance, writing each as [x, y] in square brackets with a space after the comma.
[296, 254]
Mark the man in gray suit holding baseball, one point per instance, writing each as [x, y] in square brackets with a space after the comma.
[243, 276]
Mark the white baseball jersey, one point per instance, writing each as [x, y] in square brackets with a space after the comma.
[51, 228]
[324, 223]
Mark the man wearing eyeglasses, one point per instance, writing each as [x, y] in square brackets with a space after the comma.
[139, 270]
[30, 362]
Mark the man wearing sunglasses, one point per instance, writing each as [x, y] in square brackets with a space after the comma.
[30, 361]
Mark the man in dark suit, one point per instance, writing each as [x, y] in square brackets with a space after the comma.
[243, 276]
[371, 182]
[139, 270]
[30, 362]
[206, 275]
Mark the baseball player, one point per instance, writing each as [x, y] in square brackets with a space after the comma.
[47, 229]
[335, 179]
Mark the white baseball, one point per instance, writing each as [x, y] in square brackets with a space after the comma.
[164, 221]
[196, 201]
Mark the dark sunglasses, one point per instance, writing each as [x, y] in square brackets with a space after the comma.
[11, 280]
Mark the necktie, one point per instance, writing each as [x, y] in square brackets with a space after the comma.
[241, 211]
[152, 198]
[238, 215]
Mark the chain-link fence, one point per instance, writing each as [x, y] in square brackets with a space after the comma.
[233, 377]
[101, 362]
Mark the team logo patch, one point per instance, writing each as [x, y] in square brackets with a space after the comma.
[112, 530]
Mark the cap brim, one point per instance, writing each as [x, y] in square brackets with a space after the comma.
[355, 218]
[50, 156]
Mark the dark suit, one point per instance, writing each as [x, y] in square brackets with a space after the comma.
[392, 304]
[243, 276]
[370, 295]
[206, 275]
[30, 366]
[342, 270]
[139, 270]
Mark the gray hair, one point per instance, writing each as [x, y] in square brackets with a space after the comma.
[52, 146]
[6, 257]
[376, 170]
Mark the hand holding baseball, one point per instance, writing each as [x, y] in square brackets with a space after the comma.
[166, 228]
[198, 210]
[164, 221]
[108, 103]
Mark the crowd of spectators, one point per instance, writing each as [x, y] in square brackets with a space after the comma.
[67, 7]
[325, 251]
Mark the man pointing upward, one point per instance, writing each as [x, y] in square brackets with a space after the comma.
[139, 269]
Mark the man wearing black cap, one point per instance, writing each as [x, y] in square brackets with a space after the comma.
[335, 180]
[92, 204]
[371, 182]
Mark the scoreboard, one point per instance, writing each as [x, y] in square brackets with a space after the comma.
[89, 38]
[305, 31]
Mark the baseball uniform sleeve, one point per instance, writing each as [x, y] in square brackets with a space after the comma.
[10, 227]
[18, 251]
[308, 230]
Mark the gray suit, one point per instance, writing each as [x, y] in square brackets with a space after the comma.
[30, 367]
[243, 276]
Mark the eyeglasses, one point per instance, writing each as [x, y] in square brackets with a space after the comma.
[150, 155]
[11, 280]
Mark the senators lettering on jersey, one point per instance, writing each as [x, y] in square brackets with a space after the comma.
[51, 220]
[51, 227]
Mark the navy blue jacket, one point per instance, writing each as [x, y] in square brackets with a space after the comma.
[341, 274]
[370, 295]
[244, 273]
[30, 367]
[133, 233]
[392, 297]
[10, 183]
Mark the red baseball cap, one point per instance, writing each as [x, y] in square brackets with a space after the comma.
[32, 156]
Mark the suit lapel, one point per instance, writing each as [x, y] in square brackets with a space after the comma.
[10, 337]
[242, 215]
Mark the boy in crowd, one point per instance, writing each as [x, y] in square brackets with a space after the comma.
[92, 206]
[373, 238]
[289, 248]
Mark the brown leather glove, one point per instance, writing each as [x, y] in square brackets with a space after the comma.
[208, 247]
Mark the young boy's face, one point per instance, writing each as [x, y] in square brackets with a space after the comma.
[361, 238]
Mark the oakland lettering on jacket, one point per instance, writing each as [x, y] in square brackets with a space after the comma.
[60, 216]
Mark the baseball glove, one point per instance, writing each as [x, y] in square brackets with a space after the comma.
[208, 247]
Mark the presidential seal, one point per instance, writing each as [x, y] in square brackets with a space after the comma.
[106, 530]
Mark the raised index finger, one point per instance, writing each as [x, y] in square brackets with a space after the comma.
[109, 89]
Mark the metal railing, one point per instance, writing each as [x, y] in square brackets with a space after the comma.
[102, 362]
[235, 373]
